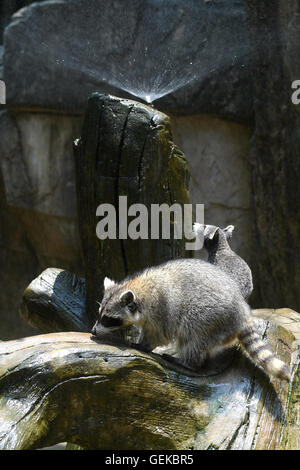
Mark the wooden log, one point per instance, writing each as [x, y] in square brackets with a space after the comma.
[126, 149]
[67, 387]
[55, 301]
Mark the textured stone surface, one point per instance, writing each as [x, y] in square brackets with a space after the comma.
[290, 30]
[37, 162]
[217, 153]
[102, 47]
[7, 8]
[115, 397]
[37, 166]
[18, 265]
[38, 226]
[1, 62]
[29, 243]
[274, 155]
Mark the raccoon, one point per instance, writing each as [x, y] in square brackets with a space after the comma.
[191, 303]
[220, 254]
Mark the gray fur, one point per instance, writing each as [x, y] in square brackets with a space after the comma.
[220, 254]
[189, 302]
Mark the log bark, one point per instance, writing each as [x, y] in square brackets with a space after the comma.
[67, 387]
[126, 149]
[55, 301]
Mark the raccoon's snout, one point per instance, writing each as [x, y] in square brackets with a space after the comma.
[110, 322]
[106, 322]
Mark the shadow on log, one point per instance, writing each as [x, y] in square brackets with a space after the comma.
[69, 387]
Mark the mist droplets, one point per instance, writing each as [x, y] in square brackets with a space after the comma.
[144, 50]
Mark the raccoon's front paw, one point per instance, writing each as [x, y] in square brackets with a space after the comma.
[142, 347]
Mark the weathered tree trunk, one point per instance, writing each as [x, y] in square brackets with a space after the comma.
[274, 154]
[55, 301]
[126, 149]
[65, 386]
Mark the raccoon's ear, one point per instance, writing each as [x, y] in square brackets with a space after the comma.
[228, 231]
[127, 297]
[108, 283]
[210, 231]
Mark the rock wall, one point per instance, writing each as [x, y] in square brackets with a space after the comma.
[159, 45]
[38, 207]
[274, 153]
[7, 8]
[217, 152]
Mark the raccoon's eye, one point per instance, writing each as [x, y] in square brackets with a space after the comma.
[109, 322]
[132, 307]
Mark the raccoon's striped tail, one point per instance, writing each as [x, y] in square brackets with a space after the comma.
[259, 351]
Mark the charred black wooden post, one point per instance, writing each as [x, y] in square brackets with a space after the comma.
[126, 149]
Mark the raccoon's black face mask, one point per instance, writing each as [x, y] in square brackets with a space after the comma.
[111, 322]
[117, 310]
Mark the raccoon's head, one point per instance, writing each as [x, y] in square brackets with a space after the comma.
[228, 231]
[118, 309]
[212, 234]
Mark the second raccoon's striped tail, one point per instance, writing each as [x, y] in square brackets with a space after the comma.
[259, 351]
